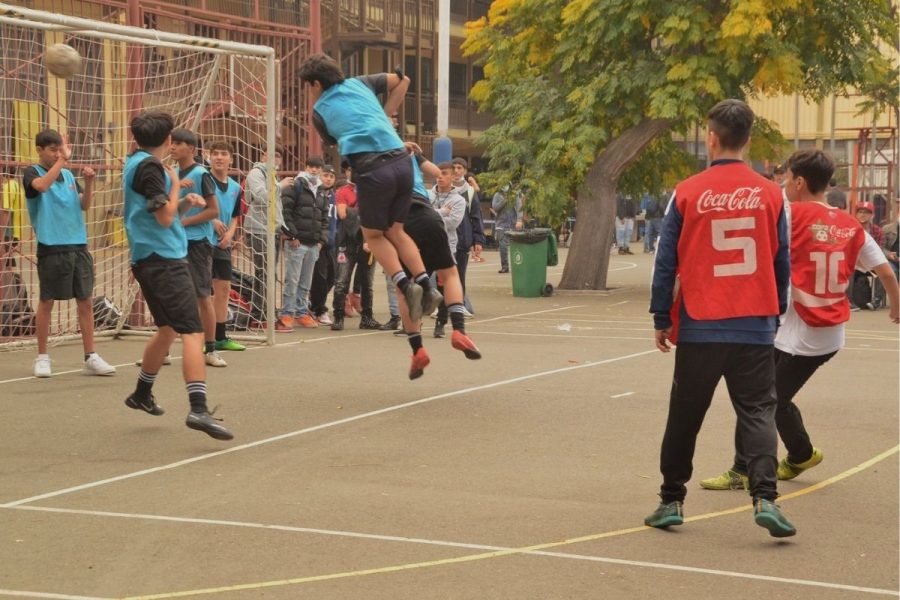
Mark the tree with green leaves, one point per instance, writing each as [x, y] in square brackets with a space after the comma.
[588, 94]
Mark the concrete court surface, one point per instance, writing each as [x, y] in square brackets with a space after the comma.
[524, 475]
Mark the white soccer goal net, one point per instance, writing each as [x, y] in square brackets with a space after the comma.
[222, 91]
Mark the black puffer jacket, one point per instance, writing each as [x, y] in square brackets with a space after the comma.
[305, 214]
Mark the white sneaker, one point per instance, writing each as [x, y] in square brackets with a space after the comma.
[42, 367]
[324, 319]
[434, 314]
[214, 360]
[466, 313]
[95, 365]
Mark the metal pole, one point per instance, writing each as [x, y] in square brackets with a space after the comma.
[796, 121]
[207, 92]
[833, 120]
[443, 67]
[271, 111]
[314, 142]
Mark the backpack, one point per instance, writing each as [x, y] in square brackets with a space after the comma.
[16, 315]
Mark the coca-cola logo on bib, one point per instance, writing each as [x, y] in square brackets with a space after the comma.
[745, 198]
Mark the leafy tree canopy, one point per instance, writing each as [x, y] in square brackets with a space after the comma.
[565, 78]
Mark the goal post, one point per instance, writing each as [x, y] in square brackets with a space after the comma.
[221, 90]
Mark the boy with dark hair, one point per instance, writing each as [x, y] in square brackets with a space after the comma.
[428, 227]
[323, 273]
[56, 206]
[826, 245]
[347, 113]
[201, 235]
[306, 231]
[229, 196]
[451, 206]
[352, 255]
[470, 232]
[256, 226]
[725, 237]
[159, 263]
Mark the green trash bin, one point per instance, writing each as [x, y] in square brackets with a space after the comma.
[528, 252]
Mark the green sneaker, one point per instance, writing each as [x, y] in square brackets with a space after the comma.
[666, 515]
[767, 514]
[788, 470]
[729, 480]
[229, 344]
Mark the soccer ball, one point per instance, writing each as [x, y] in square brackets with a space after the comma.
[62, 60]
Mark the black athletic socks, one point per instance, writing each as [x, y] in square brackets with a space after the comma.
[415, 341]
[209, 347]
[401, 281]
[144, 385]
[423, 280]
[197, 395]
[457, 318]
[220, 332]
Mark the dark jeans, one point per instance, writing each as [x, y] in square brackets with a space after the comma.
[322, 282]
[353, 257]
[791, 373]
[749, 373]
[257, 245]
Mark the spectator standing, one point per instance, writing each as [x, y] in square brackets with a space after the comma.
[625, 213]
[507, 216]
[305, 232]
[835, 197]
[653, 208]
[256, 225]
[323, 275]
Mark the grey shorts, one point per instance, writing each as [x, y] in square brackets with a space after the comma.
[66, 275]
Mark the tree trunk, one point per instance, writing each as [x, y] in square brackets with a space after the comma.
[587, 264]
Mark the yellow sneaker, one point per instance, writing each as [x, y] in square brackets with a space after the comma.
[729, 480]
[788, 470]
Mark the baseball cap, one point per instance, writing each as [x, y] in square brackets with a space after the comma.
[866, 206]
[328, 169]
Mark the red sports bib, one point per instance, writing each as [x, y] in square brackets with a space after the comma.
[728, 243]
[825, 243]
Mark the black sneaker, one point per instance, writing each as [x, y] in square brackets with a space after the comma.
[338, 324]
[439, 328]
[208, 424]
[504, 270]
[430, 300]
[368, 323]
[413, 297]
[148, 406]
[392, 325]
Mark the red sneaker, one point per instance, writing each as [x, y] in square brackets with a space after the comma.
[305, 321]
[284, 325]
[461, 341]
[420, 360]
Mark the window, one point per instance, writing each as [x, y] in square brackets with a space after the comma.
[427, 74]
[458, 79]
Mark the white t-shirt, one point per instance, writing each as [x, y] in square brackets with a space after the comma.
[796, 337]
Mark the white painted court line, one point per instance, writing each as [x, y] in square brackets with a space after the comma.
[23, 594]
[309, 341]
[645, 338]
[322, 426]
[449, 544]
[622, 395]
[622, 302]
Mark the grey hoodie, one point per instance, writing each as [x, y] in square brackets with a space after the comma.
[457, 203]
[256, 221]
[506, 213]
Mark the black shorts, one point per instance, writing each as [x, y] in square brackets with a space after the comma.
[166, 285]
[221, 264]
[384, 193]
[66, 274]
[426, 228]
[200, 259]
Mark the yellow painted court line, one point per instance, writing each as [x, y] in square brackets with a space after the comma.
[536, 548]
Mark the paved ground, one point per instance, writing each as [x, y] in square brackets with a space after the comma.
[524, 475]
